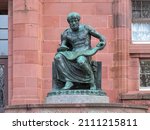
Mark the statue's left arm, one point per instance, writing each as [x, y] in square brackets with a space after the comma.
[96, 34]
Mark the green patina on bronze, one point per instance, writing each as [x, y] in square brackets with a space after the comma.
[73, 60]
[78, 92]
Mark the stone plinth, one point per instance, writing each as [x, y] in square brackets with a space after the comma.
[76, 96]
[65, 99]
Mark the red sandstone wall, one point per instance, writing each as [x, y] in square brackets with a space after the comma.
[97, 13]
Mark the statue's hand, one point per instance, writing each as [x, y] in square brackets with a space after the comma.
[101, 45]
[62, 48]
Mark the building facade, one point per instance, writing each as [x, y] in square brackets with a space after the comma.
[30, 40]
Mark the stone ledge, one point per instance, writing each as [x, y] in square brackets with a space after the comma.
[136, 96]
[76, 105]
[75, 108]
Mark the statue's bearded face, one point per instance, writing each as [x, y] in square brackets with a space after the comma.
[74, 24]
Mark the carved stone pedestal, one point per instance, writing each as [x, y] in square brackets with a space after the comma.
[76, 96]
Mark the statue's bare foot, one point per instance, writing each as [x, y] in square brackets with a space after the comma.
[92, 86]
[68, 85]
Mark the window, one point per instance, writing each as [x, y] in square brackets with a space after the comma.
[3, 54]
[1, 85]
[3, 35]
[3, 59]
[141, 21]
[145, 74]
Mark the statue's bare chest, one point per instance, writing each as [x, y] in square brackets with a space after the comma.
[75, 37]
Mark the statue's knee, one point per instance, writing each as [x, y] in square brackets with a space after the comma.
[81, 60]
[58, 57]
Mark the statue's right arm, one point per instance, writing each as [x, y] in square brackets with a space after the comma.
[63, 45]
[63, 39]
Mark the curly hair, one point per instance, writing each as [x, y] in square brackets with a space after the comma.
[73, 15]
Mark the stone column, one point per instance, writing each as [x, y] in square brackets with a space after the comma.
[10, 49]
[122, 25]
[26, 52]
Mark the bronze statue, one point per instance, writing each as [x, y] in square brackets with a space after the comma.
[73, 57]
